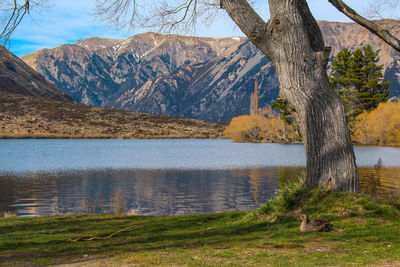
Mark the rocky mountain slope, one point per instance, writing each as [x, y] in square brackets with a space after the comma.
[33, 107]
[17, 77]
[204, 78]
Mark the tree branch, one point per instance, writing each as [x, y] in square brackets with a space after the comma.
[18, 12]
[184, 7]
[162, 15]
[244, 16]
[385, 35]
[117, 11]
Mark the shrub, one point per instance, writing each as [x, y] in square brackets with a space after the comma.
[378, 127]
[8, 214]
[257, 128]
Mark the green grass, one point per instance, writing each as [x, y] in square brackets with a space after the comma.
[367, 233]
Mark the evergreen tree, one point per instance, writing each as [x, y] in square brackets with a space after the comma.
[374, 91]
[340, 66]
[359, 80]
[343, 81]
[355, 74]
[286, 114]
[280, 106]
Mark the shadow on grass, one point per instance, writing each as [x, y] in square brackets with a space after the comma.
[29, 239]
[357, 218]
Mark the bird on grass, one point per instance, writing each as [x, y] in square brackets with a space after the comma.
[308, 226]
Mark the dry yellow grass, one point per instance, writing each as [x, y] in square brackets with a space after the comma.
[28, 117]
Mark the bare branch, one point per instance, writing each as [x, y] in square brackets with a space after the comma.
[378, 7]
[13, 11]
[170, 15]
[121, 13]
[17, 13]
[251, 24]
[385, 35]
[164, 16]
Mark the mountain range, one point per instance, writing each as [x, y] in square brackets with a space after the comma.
[193, 77]
[33, 107]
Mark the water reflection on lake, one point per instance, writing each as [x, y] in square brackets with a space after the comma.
[386, 181]
[150, 192]
[157, 177]
[153, 192]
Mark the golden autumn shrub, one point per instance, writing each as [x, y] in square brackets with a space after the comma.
[257, 128]
[378, 127]
[245, 128]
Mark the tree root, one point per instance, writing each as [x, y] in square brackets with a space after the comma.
[102, 238]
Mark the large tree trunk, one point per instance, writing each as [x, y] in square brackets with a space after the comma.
[293, 42]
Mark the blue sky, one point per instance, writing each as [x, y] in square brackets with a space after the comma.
[67, 21]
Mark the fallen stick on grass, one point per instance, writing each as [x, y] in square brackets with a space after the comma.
[102, 238]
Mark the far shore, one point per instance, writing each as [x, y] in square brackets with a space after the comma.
[101, 136]
[105, 136]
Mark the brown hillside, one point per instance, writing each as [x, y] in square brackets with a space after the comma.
[17, 77]
[24, 116]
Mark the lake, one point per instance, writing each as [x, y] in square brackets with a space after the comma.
[157, 176]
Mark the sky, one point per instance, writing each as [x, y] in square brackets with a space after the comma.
[67, 21]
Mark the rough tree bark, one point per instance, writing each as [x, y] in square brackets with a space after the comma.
[292, 40]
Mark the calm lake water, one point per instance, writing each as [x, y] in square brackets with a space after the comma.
[156, 177]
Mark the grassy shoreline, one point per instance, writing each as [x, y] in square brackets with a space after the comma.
[367, 233]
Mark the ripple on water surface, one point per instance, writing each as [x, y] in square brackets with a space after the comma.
[158, 177]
